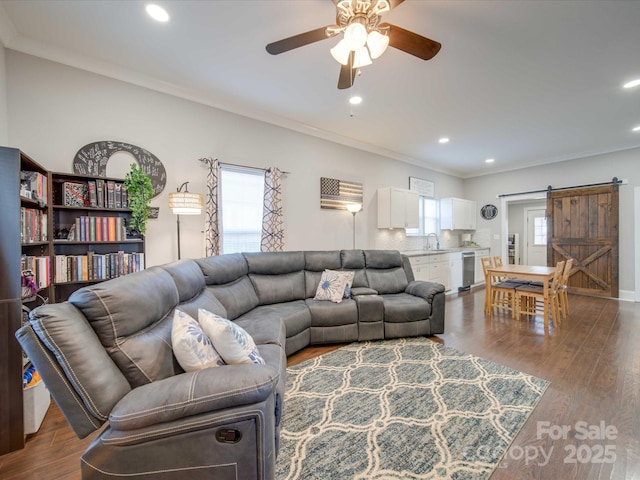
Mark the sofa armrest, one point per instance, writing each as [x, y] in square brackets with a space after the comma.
[424, 289]
[192, 393]
[363, 291]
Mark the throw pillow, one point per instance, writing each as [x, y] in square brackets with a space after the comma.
[191, 346]
[347, 287]
[233, 343]
[331, 286]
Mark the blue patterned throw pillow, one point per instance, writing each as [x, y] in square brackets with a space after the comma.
[191, 346]
[233, 343]
[334, 285]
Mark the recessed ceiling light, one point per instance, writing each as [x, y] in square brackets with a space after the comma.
[444, 140]
[490, 160]
[157, 12]
[636, 129]
[355, 100]
[632, 83]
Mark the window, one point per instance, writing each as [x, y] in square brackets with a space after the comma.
[429, 218]
[540, 231]
[241, 194]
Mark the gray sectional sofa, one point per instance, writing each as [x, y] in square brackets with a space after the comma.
[106, 355]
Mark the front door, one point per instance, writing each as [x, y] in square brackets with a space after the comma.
[583, 225]
[536, 237]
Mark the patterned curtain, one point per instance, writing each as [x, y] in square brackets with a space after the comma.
[272, 222]
[212, 218]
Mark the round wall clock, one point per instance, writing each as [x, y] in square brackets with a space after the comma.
[489, 212]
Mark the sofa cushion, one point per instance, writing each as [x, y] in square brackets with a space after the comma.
[191, 346]
[274, 263]
[231, 341]
[391, 280]
[223, 269]
[402, 307]
[284, 287]
[353, 260]
[188, 278]
[264, 329]
[382, 259]
[237, 297]
[329, 314]
[295, 315]
[132, 317]
[319, 261]
[95, 377]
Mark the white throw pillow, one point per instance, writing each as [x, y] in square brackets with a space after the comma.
[191, 346]
[332, 286]
[347, 287]
[233, 343]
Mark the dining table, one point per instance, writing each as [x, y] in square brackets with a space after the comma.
[542, 274]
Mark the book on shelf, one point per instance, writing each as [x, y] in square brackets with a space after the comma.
[111, 199]
[118, 195]
[100, 192]
[96, 266]
[40, 266]
[125, 196]
[93, 194]
[33, 225]
[33, 185]
[74, 194]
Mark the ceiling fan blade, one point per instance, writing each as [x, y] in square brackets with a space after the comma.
[296, 41]
[411, 43]
[347, 74]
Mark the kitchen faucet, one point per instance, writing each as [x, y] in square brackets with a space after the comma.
[428, 245]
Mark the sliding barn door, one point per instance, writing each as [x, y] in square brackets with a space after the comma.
[583, 224]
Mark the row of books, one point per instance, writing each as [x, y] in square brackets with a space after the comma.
[98, 193]
[33, 225]
[95, 266]
[98, 229]
[40, 266]
[33, 185]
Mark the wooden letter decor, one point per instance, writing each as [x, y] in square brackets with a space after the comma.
[92, 160]
[336, 194]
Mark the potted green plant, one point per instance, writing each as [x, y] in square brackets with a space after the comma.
[139, 194]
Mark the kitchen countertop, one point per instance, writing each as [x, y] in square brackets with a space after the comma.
[419, 253]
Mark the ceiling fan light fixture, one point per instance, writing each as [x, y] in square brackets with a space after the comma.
[356, 35]
[341, 52]
[377, 43]
[361, 58]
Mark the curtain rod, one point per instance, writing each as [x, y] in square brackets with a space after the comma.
[614, 181]
[241, 166]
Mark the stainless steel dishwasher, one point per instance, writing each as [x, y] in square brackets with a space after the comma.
[468, 270]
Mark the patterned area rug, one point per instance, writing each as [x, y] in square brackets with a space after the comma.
[401, 409]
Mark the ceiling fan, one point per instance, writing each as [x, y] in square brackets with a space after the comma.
[365, 38]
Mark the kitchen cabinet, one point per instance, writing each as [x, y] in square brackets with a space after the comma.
[432, 268]
[479, 274]
[457, 214]
[455, 269]
[397, 208]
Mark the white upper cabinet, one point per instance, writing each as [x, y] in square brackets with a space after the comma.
[397, 208]
[457, 214]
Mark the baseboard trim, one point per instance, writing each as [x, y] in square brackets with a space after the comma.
[627, 295]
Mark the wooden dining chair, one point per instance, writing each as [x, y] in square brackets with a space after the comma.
[563, 298]
[503, 294]
[530, 298]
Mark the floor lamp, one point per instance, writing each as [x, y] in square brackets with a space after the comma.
[354, 208]
[184, 203]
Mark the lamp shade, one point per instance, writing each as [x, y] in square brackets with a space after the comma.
[377, 44]
[185, 203]
[355, 35]
[341, 52]
[354, 207]
[361, 58]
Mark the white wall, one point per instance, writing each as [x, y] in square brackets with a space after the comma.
[600, 168]
[4, 123]
[55, 110]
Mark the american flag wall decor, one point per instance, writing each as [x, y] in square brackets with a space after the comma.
[336, 194]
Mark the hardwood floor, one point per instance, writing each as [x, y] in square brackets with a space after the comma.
[592, 361]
